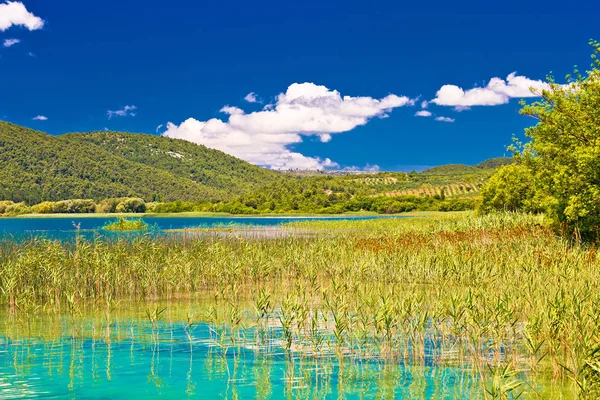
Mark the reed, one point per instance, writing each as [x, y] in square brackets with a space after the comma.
[500, 295]
[124, 224]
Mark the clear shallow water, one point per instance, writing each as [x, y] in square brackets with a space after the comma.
[139, 361]
[65, 227]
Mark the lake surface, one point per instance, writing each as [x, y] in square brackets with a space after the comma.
[65, 227]
[133, 359]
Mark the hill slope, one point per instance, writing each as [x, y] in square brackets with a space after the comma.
[36, 167]
[186, 159]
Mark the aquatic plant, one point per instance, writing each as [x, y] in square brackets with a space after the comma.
[124, 224]
[499, 296]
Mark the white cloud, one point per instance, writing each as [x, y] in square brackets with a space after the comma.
[264, 137]
[40, 118]
[367, 168]
[445, 119]
[325, 137]
[158, 127]
[251, 98]
[232, 110]
[10, 42]
[127, 110]
[14, 13]
[498, 91]
[424, 104]
[423, 113]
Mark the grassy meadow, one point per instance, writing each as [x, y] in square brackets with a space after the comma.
[500, 296]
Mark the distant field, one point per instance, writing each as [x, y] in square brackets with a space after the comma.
[457, 189]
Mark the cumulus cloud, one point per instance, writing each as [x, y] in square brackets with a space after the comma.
[367, 168]
[497, 91]
[14, 13]
[127, 110]
[424, 104]
[232, 110]
[445, 119]
[251, 98]
[265, 137]
[10, 42]
[40, 118]
[423, 113]
[372, 168]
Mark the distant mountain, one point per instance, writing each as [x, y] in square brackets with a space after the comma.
[36, 167]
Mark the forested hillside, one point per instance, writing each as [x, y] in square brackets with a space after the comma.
[38, 167]
[209, 167]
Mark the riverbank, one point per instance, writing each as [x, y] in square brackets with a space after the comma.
[204, 215]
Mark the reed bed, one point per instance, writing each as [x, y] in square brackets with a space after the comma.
[125, 224]
[499, 296]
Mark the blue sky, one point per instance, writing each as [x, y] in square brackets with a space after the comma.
[182, 62]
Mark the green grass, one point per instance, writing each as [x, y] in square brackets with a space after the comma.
[124, 224]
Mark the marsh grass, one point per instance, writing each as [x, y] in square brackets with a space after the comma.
[500, 297]
[125, 224]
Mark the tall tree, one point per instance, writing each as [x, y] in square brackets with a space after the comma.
[564, 151]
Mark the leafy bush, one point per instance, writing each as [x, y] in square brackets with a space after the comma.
[10, 208]
[4, 205]
[82, 206]
[122, 205]
[460, 204]
[511, 188]
[560, 171]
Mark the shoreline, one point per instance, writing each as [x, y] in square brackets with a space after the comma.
[204, 215]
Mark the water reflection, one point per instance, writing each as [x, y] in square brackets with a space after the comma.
[58, 357]
[68, 227]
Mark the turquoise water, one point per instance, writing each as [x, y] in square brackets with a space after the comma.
[142, 361]
[90, 227]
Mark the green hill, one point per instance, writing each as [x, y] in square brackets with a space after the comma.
[37, 167]
[495, 162]
[450, 169]
[188, 160]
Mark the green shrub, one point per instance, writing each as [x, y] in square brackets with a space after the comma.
[16, 208]
[511, 188]
[122, 205]
[4, 205]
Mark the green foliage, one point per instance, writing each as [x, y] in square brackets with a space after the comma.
[123, 224]
[511, 188]
[563, 155]
[38, 167]
[181, 206]
[82, 206]
[12, 208]
[4, 205]
[493, 163]
[208, 167]
[122, 205]
[127, 170]
[458, 204]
